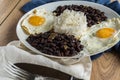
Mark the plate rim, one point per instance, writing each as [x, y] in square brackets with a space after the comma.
[19, 22]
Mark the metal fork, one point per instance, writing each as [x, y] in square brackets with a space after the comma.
[20, 74]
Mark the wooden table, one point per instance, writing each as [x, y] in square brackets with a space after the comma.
[106, 67]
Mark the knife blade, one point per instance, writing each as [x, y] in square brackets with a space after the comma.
[45, 71]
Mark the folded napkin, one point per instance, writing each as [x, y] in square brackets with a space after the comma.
[81, 70]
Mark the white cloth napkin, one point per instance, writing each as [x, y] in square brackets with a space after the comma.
[81, 70]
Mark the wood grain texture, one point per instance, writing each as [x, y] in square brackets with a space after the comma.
[6, 8]
[106, 67]
[8, 27]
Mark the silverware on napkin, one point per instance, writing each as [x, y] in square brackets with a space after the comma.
[45, 71]
[20, 74]
[26, 71]
[17, 73]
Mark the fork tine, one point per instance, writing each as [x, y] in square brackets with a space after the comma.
[21, 70]
[18, 69]
[6, 67]
[16, 72]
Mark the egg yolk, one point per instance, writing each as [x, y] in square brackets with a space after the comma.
[36, 20]
[105, 32]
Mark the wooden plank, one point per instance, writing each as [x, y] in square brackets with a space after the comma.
[8, 27]
[6, 7]
[106, 67]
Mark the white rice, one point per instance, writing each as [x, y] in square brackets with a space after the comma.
[71, 23]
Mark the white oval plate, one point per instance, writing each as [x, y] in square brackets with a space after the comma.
[52, 6]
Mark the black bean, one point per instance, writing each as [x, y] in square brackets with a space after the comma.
[50, 53]
[67, 53]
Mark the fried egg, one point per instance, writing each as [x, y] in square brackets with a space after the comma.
[38, 21]
[102, 36]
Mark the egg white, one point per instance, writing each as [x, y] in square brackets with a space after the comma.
[46, 26]
[95, 44]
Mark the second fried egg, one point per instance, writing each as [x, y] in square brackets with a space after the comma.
[102, 36]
